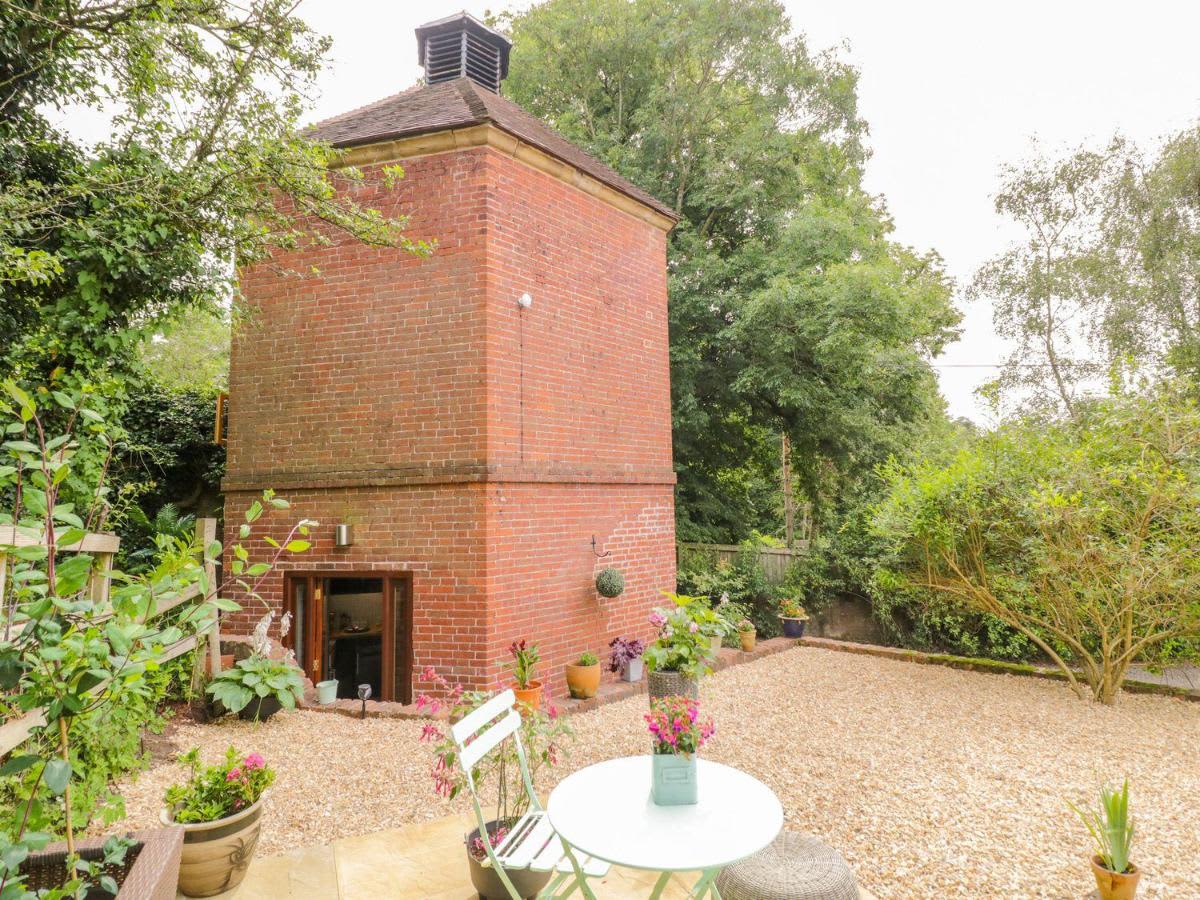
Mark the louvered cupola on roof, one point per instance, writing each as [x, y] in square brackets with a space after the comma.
[460, 46]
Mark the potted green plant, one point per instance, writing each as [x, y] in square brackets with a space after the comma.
[220, 810]
[610, 583]
[527, 688]
[543, 735]
[583, 678]
[625, 657]
[792, 617]
[680, 655]
[746, 635]
[1111, 828]
[259, 686]
[678, 734]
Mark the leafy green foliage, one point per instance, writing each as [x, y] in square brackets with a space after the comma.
[258, 677]
[217, 791]
[588, 659]
[791, 309]
[684, 630]
[741, 584]
[1080, 535]
[202, 169]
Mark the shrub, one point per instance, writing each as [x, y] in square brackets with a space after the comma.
[1079, 535]
[588, 659]
[610, 583]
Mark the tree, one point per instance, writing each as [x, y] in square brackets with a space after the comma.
[1080, 534]
[1147, 270]
[1040, 288]
[791, 311]
[100, 244]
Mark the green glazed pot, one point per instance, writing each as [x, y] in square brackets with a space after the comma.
[674, 779]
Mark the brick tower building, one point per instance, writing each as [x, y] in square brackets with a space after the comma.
[492, 421]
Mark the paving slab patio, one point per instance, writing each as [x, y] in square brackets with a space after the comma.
[417, 862]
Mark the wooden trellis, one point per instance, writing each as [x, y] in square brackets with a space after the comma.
[104, 547]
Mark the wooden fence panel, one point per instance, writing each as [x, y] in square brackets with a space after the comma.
[775, 561]
[15, 732]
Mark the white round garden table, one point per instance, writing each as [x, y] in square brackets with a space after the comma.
[606, 811]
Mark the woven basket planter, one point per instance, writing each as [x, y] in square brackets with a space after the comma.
[150, 871]
[672, 684]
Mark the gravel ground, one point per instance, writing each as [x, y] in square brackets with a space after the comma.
[933, 782]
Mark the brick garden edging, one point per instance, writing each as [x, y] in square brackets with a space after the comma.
[987, 666]
[615, 691]
[610, 692]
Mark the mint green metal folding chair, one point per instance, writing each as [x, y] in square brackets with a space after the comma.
[532, 843]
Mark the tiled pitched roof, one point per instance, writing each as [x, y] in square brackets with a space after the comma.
[459, 104]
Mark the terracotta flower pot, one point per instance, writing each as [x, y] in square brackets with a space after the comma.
[1115, 885]
[531, 696]
[217, 854]
[583, 681]
[747, 638]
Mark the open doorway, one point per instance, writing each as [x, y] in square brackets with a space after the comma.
[355, 628]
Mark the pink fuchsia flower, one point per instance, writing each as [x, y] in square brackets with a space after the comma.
[255, 761]
[430, 732]
[233, 774]
[657, 619]
[429, 674]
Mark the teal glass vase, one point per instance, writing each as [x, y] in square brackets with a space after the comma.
[675, 782]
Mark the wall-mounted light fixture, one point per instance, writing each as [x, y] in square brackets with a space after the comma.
[525, 301]
[343, 535]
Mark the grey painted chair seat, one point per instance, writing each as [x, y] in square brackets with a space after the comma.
[794, 867]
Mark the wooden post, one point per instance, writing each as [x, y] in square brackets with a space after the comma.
[789, 501]
[206, 531]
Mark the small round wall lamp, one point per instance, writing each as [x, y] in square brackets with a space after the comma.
[343, 535]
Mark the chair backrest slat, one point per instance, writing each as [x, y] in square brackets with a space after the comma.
[472, 722]
[485, 741]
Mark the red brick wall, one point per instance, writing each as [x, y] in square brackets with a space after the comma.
[476, 445]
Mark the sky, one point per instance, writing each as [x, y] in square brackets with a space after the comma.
[950, 90]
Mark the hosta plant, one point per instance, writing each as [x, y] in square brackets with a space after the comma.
[259, 677]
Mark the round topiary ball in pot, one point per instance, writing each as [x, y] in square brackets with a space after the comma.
[610, 583]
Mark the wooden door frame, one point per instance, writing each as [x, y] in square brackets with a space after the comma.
[397, 603]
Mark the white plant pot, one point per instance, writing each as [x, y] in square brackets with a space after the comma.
[633, 670]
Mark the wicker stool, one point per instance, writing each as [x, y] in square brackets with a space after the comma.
[794, 867]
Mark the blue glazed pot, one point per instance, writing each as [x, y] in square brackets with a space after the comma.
[674, 779]
[793, 628]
